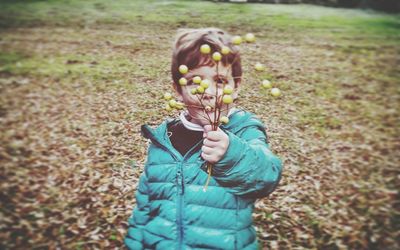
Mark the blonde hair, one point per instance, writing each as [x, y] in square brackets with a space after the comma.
[186, 51]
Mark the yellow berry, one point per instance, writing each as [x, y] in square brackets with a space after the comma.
[167, 96]
[182, 81]
[275, 92]
[197, 79]
[200, 89]
[179, 105]
[193, 91]
[167, 107]
[205, 49]
[208, 108]
[217, 56]
[183, 69]
[259, 67]
[205, 83]
[228, 90]
[224, 120]
[227, 99]
[236, 40]
[250, 37]
[225, 50]
[266, 84]
[172, 103]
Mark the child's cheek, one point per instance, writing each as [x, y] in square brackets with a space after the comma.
[193, 99]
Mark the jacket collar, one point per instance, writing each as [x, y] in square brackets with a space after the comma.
[193, 126]
[238, 120]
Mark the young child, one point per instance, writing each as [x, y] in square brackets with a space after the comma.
[172, 209]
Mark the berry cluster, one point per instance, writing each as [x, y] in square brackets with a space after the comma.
[204, 84]
[172, 103]
[222, 100]
[266, 84]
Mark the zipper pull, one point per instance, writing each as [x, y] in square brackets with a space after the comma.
[182, 185]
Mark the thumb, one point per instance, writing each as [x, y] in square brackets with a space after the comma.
[207, 128]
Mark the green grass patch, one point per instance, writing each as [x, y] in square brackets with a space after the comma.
[58, 66]
[297, 18]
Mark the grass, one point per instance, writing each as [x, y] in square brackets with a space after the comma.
[306, 17]
[77, 79]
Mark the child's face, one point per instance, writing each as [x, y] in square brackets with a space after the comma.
[192, 102]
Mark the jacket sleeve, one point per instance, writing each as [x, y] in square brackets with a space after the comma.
[140, 216]
[248, 166]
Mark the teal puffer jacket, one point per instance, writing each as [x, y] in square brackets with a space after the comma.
[172, 210]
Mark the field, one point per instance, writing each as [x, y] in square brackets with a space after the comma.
[78, 78]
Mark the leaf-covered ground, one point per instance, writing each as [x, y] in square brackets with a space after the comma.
[78, 78]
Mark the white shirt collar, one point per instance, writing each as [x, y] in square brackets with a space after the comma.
[193, 126]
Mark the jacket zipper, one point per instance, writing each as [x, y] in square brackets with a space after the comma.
[180, 183]
[181, 192]
[180, 187]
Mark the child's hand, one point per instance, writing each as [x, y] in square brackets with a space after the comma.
[215, 144]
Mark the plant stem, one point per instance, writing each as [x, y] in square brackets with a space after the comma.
[209, 169]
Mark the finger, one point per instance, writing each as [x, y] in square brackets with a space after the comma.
[210, 144]
[207, 150]
[215, 135]
[205, 156]
[209, 158]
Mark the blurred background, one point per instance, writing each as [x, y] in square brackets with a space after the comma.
[383, 5]
[78, 78]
